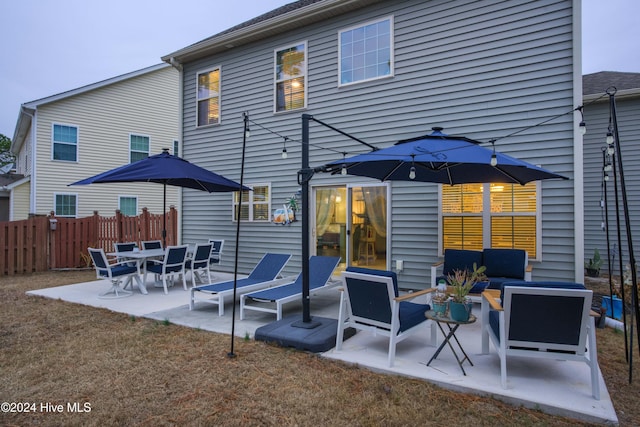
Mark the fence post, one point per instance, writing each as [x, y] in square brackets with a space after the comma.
[145, 232]
[173, 224]
[119, 231]
[51, 242]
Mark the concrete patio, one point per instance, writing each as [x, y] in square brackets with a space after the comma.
[555, 387]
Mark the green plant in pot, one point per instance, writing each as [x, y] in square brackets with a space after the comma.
[593, 265]
[462, 282]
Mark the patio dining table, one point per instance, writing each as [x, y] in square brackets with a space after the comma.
[140, 257]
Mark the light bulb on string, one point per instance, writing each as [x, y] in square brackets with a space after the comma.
[412, 171]
[583, 127]
[494, 158]
[343, 171]
[247, 132]
[608, 167]
[609, 138]
[284, 147]
[284, 153]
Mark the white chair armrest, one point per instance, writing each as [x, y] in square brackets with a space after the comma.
[434, 272]
[527, 273]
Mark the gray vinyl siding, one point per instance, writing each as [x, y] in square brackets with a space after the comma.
[596, 117]
[483, 69]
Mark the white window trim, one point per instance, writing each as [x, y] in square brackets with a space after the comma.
[391, 47]
[143, 136]
[486, 221]
[55, 206]
[53, 142]
[305, 75]
[129, 196]
[208, 70]
[251, 203]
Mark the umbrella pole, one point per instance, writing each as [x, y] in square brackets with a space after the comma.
[164, 215]
[304, 175]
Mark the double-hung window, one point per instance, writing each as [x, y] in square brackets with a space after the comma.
[366, 52]
[291, 77]
[65, 142]
[66, 205]
[477, 216]
[208, 93]
[138, 147]
[255, 205]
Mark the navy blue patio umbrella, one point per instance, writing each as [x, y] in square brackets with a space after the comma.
[441, 158]
[166, 169]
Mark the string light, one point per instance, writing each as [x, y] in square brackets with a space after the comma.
[412, 171]
[494, 158]
[247, 132]
[343, 170]
[284, 147]
[582, 126]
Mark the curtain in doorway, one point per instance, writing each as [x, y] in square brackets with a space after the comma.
[376, 208]
[325, 204]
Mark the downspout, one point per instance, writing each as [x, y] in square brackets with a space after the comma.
[178, 66]
[578, 151]
[33, 181]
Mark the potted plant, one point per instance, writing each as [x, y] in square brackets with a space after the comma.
[593, 265]
[440, 300]
[462, 282]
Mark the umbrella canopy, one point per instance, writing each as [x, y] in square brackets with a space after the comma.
[442, 159]
[166, 169]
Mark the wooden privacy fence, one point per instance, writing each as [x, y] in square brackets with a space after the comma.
[42, 243]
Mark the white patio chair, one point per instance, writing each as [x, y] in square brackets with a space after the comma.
[199, 263]
[115, 272]
[172, 264]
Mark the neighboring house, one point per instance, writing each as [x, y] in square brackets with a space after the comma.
[596, 117]
[384, 71]
[76, 134]
[8, 181]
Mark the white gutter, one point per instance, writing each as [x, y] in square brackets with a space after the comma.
[578, 152]
[178, 66]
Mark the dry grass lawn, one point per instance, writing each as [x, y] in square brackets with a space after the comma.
[133, 371]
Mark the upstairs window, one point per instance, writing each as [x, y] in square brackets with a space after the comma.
[65, 143]
[255, 205]
[290, 77]
[138, 147]
[209, 97]
[477, 216]
[366, 52]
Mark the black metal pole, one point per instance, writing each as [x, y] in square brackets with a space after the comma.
[245, 116]
[304, 176]
[632, 260]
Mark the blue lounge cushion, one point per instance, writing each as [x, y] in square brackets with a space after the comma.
[542, 284]
[554, 319]
[460, 259]
[479, 287]
[504, 262]
[383, 273]
[412, 314]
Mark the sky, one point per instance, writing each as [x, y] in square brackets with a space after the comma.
[52, 46]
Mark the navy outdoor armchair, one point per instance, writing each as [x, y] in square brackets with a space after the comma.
[550, 320]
